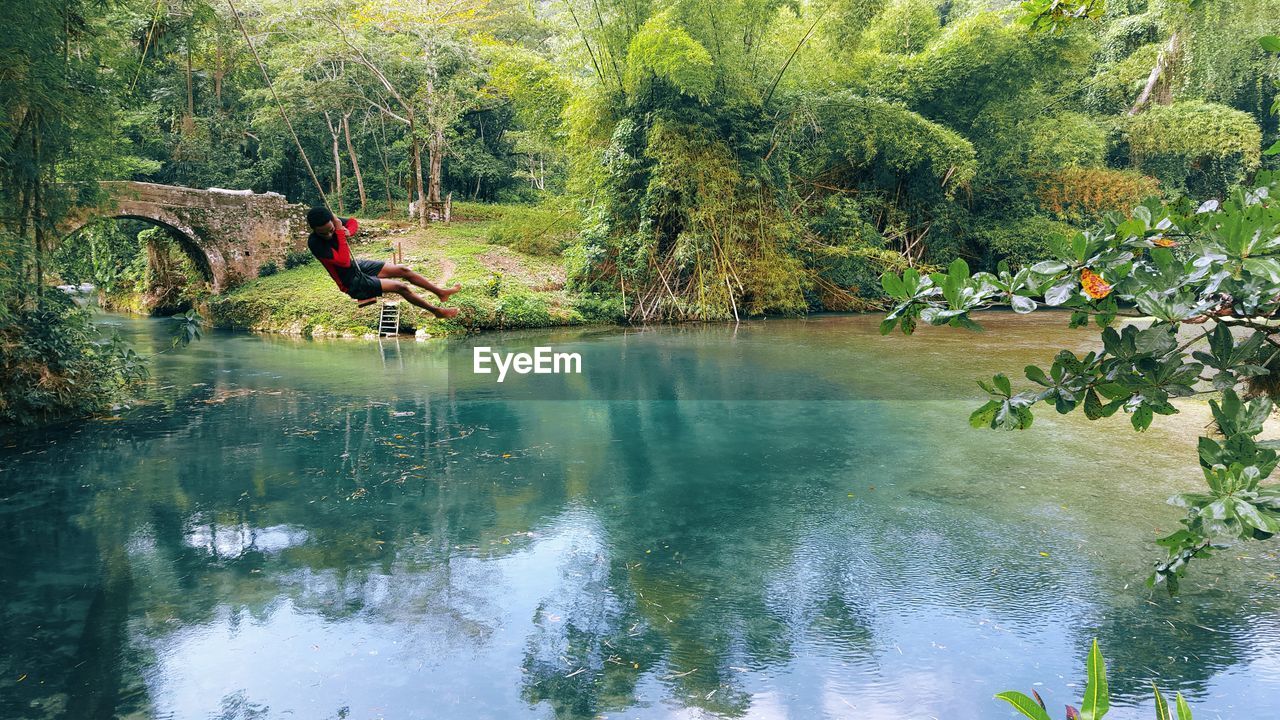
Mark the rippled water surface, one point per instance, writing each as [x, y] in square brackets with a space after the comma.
[787, 519]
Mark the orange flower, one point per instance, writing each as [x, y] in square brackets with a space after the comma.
[1163, 241]
[1094, 286]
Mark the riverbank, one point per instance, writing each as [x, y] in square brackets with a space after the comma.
[503, 288]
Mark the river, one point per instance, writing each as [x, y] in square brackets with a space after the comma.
[782, 519]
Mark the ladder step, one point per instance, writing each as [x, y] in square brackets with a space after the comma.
[389, 322]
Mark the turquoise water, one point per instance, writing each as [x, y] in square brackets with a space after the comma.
[308, 529]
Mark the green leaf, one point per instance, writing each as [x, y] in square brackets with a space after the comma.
[1022, 304]
[1048, 267]
[1162, 707]
[1061, 292]
[1093, 408]
[1036, 375]
[1250, 515]
[1097, 697]
[984, 417]
[887, 325]
[1184, 712]
[1002, 384]
[1270, 43]
[1141, 418]
[893, 286]
[1024, 705]
[1130, 228]
[1079, 246]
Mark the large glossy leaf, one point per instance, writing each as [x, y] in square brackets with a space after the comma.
[1184, 712]
[1097, 696]
[1061, 292]
[984, 417]
[1024, 705]
[1022, 304]
[1141, 418]
[1162, 707]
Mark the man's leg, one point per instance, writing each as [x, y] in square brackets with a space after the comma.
[406, 292]
[404, 271]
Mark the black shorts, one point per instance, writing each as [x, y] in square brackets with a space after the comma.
[366, 285]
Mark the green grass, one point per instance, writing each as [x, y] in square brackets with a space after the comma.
[502, 288]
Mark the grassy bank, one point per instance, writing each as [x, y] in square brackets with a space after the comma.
[502, 287]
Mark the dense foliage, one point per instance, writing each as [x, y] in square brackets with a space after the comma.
[1214, 268]
[717, 161]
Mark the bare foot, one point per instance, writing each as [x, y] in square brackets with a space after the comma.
[445, 313]
[446, 292]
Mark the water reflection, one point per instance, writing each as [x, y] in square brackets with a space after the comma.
[295, 529]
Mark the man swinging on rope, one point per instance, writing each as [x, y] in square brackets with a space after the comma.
[366, 279]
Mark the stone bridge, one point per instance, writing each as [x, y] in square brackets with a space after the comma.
[228, 233]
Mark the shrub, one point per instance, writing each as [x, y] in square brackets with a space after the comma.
[1126, 34]
[267, 269]
[1195, 148]
[1082, 195]
[1022, 242]
[522, 311]
[53, 364]
[598, 309]
[542, 230]
[1065, 140]
[297, 258]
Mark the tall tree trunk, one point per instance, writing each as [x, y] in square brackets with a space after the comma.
[382, 155]
[355, 163]
[218, 73]
[189, 122]
[38, 208]
[437, 158]
[417, 172]
[436, 143]
[337, 160]
[1168, 56]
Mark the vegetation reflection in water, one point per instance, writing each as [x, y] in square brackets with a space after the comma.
[330, 530]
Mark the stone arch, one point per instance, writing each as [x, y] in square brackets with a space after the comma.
[210, 265]
[231, 234]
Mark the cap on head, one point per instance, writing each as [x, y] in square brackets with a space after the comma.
[318, 216]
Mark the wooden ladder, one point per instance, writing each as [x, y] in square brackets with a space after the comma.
[389, 324]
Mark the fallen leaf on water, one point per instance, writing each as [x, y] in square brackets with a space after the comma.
[1044, 554]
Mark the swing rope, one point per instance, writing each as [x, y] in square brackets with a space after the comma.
[279, 105]
[151, 33]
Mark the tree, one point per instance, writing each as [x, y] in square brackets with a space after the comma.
[1214, 268]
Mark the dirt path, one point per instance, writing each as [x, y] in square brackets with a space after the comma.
[447, 267]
